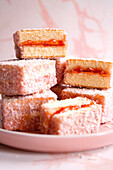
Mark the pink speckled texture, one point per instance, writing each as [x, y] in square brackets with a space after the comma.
[103, 97]
[70, 121]
[23, 113]
[26, 76]
[83, 122]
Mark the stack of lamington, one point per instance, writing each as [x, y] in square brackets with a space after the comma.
[25, 84]
[83, 87]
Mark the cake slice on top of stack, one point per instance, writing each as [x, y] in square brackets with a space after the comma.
[40, 43]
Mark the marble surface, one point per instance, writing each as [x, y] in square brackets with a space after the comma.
[88, 24]
[101, 159]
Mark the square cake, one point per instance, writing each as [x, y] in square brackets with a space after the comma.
[23, 112]
[70, 117]
[22, 77]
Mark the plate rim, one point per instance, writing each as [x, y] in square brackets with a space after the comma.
[55, 143]
[98, 134]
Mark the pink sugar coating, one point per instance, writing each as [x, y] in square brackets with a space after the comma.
[23, 112]
[71, 121]
[21, 77]
[76, 123]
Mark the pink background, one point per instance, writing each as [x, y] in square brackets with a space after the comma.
[88, 24]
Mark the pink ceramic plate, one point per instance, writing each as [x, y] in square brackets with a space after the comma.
[54, 143]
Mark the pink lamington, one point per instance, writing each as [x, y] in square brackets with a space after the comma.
[21, 77]
[70, 117]
[103, 97]
[23, 112]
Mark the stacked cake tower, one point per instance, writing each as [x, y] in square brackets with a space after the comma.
[83, 87]
[25, 82]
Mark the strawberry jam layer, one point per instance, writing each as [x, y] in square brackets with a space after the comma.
[51, 42]
[76, 107]
[63, 110]
[90, 70]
